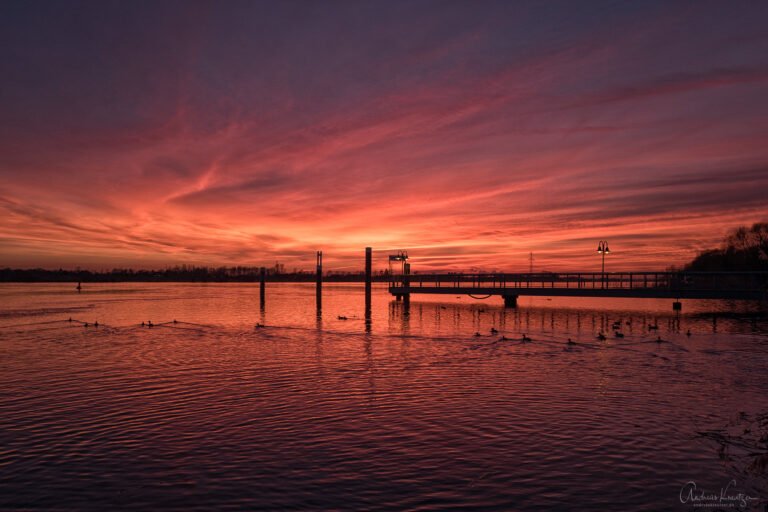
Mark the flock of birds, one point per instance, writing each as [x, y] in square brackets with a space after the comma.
[85, 324]
[147, 324]
[616, 327]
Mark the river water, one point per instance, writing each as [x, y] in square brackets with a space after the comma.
[418, 409]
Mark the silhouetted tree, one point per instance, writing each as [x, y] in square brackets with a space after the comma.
[743, 249]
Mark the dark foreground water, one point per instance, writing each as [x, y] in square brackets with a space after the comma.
[410, 412]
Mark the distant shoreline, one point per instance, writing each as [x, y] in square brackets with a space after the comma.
[52, 278]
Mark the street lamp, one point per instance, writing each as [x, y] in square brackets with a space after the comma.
[602, 248]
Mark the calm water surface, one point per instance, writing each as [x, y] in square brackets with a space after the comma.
[409, 412]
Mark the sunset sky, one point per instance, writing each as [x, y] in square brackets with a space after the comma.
[148, 134]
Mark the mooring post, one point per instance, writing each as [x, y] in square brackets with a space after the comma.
[262, 278]
[368, 256]
[406, 284]
[319, 287]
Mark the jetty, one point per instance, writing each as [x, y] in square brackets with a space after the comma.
[641, 285]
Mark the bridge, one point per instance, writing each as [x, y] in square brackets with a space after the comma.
[646, 285]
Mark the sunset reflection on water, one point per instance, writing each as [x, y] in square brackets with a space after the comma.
[425, 408]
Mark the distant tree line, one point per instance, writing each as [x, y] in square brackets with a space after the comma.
[745, 248]
[181, 273]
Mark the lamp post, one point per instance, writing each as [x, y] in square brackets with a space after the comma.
[602, 248]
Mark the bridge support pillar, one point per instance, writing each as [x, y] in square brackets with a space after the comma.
[677, 306]
[398, 297]
[510, 301]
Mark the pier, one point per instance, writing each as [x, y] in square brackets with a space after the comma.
[644, 285]
[749, 285]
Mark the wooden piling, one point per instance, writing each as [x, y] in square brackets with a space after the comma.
[368, 258]
[319, 285]
[262, 279]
